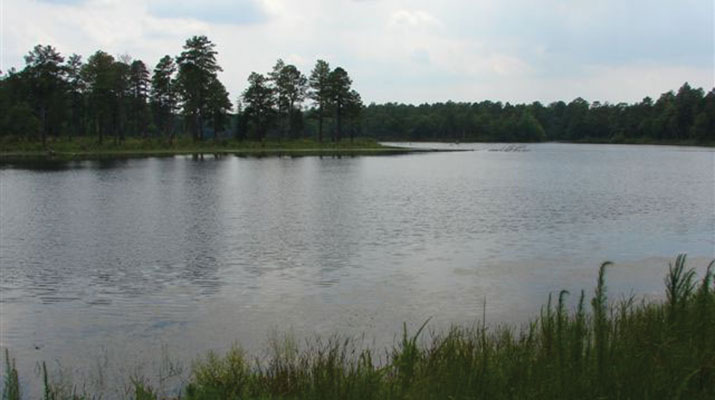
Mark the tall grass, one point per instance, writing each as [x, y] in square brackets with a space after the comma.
[614, 350]
[11, 383]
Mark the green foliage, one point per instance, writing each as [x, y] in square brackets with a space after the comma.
[142, 391]
[260, 102]
[218, 106]
[529, 129]
[197, 73]
[20, 120]
[138, 118]
[221, 377]
[289, 87]
[164, 95]
[319, 83]
[688, 117]
[44, 75]
[11, 389]
[342, 98]
[100, 75]
[51, 97]
[679, 285]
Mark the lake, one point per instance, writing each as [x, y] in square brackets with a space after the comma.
[111, 267]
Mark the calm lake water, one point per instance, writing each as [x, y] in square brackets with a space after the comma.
[112, 265]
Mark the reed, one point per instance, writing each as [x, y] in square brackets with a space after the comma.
[11, 387]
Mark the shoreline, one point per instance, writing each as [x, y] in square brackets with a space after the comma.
[627, 142]
[81, 150]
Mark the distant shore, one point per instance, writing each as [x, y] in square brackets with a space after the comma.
[88, 148]
[629, 141]
[643, 141]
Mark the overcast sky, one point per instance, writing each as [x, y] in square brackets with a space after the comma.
[409, 51]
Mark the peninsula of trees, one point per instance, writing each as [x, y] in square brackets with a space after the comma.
[112, 98]
[118, 97]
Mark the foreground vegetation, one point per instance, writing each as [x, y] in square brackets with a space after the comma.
[601, 350]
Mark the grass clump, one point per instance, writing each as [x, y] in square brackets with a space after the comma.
[621, 350]
[11, 383]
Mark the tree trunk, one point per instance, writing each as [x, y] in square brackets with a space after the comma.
[290, 120]
[197, 127]
[98, 127]
[43, 129]
[169, 127]
[339, 121]
[122, 128]
[320, 124]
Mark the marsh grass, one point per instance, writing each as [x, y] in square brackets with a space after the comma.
[612, 350]
[11, 383]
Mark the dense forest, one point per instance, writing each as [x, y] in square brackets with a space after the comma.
[116, 97]
[685, 116]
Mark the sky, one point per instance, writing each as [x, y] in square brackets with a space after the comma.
[410, 51]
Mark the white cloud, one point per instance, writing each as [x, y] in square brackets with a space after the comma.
[395, 50]
[507, 65]
[236, 12]
[407, 18]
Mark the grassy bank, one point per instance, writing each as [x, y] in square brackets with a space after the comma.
[12, 149]
[599, 350]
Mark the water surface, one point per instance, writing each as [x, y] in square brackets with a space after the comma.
[107, 265]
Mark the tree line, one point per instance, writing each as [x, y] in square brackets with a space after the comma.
[685, 116]
[116, 97]
[107, 96]
[272, 104]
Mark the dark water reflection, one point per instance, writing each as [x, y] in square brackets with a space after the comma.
[115, 259]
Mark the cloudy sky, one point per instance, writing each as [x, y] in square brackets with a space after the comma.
[409, 51]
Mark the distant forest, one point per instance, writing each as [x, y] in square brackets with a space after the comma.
[685, 116]
[109, 97]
